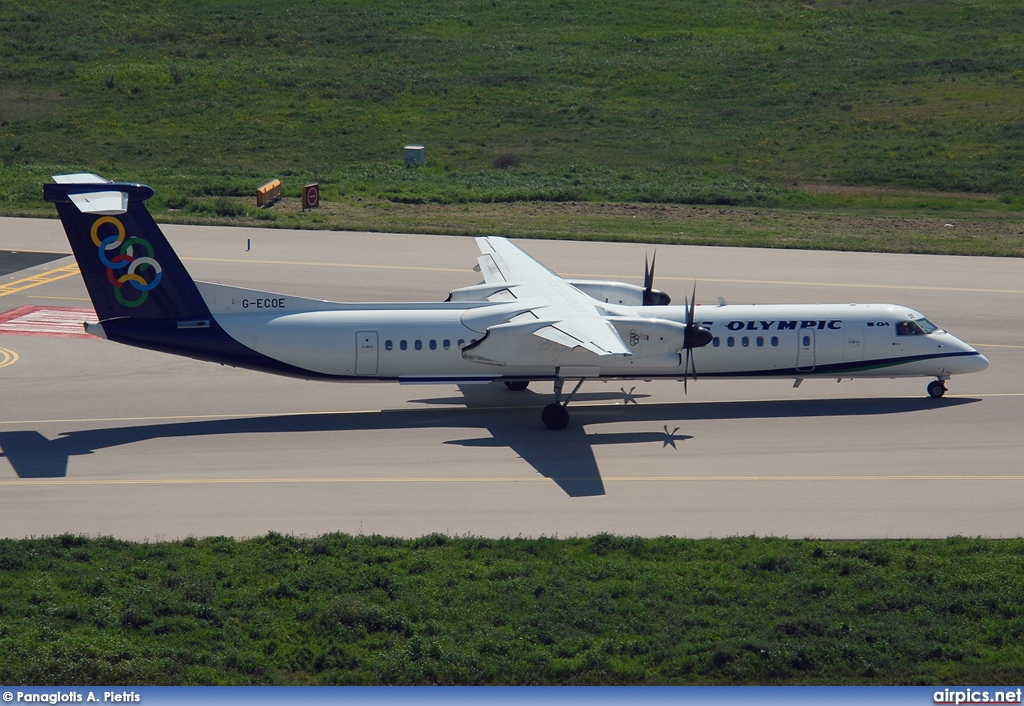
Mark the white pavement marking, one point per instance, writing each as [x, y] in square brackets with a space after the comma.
[61, 322]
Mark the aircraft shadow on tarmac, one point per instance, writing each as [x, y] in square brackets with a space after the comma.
[566, 457]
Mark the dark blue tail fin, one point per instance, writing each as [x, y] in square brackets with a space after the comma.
[128, 266]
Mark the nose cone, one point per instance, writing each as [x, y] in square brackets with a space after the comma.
[965, 358]
[970, 360]
[975, 363]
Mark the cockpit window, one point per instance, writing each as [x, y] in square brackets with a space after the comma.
[917, 327]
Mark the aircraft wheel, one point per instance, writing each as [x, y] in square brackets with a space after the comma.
[555, 416]
[517, 385]
[936, 388]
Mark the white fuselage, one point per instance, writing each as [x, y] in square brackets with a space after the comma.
[425, 342]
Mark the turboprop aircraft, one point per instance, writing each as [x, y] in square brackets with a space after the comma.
[522, 324]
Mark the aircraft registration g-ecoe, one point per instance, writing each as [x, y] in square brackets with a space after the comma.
[523, 323]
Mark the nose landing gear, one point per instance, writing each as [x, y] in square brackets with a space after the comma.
[937, 388]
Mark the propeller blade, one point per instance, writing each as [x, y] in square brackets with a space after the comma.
[693, 337]
[651, 296]
[692, 304]
[686, 368]
[649, 280]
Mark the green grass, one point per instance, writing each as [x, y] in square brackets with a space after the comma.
[339, 609]
[923, 94]
[733, 104]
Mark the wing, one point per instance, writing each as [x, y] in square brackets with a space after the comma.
[563, 313]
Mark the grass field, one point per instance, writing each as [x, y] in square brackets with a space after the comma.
[911, 107]
[438, 610]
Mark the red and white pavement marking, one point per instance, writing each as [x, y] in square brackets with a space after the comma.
[58, 321]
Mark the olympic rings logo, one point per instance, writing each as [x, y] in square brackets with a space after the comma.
[125, 263]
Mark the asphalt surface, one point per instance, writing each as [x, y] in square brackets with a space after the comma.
[101, 439]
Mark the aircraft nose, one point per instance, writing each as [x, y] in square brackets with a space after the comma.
[980, 363]
[973, 362]
[969, 360]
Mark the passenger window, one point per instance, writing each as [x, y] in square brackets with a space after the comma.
[745, 341]
[446, 344]
[433, 344]
[716, 342]
[760, 341]
[418, 345]
[730, 341]
[775, 341]
[388, 345]
[403, 345]
[807, 341]
[462, 342]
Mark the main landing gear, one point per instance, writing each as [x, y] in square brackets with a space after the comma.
[937, 388]
[555, 416]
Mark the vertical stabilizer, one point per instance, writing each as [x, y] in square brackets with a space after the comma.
[128, 266]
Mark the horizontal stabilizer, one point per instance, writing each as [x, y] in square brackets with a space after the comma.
[82, 178]
[102, 203]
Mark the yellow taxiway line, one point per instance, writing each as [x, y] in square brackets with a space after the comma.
[7, 357]
[39, 279]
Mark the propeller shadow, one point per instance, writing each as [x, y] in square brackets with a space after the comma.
[566, 457]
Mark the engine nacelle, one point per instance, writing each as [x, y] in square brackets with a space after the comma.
[650, 338]
[612, 292]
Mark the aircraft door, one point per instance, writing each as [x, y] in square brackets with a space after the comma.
[805, 350]
[366, 353]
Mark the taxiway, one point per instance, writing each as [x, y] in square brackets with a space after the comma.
[102, 439]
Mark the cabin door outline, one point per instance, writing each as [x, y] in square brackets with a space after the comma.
[805, 350]
[366, 353]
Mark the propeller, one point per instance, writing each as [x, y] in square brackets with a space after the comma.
[652, 296]
[694, 336]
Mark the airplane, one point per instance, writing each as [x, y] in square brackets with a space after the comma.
[522, 324]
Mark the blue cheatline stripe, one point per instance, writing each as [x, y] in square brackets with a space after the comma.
[840, 368]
